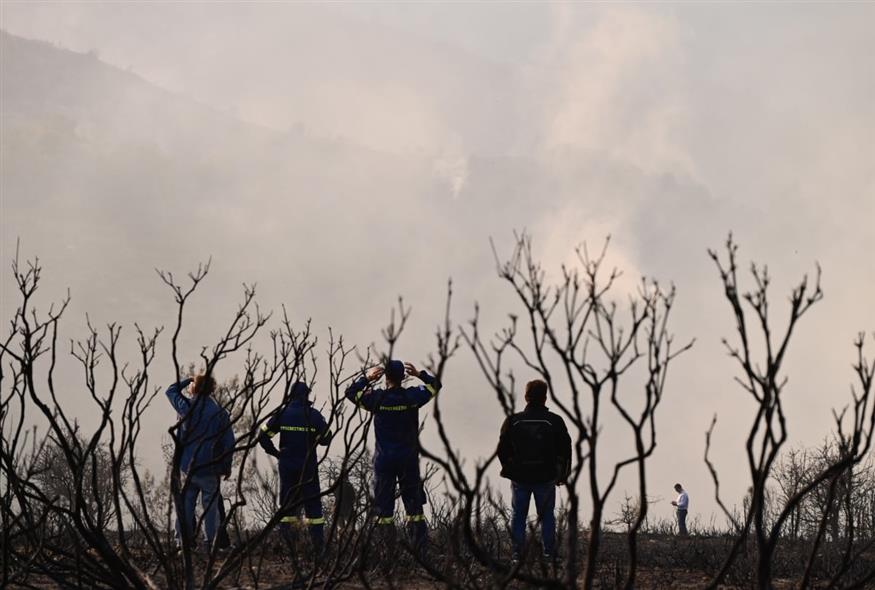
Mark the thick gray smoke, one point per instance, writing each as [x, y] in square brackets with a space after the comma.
[342, 155]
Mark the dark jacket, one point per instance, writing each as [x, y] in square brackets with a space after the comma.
[301, 427]
[396, 414]
[205, 433]
[534, 446]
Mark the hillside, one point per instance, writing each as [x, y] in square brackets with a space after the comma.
[101, 164]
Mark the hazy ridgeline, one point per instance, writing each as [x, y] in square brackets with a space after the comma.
[360, 161]
[79, 510]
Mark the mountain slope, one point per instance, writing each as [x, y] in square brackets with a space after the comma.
[103, 166]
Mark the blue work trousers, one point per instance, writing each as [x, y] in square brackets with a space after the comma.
[300, 489]
[404, 471]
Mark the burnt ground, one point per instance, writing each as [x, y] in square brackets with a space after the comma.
[664, 562]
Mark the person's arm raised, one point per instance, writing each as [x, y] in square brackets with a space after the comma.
[430, 387]
[357, 391]
[179, 402]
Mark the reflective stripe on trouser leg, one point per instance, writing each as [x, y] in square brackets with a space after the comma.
[313, 509]
[416, 518]
[300, 489]
[384, 494]
[412, 494]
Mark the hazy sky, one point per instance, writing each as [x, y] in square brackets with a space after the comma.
[343, 154]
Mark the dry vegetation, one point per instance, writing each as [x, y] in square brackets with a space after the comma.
[79, 511]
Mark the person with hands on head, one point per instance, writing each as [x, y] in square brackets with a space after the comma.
[396, 429]
[206, 446]
[301, 428]
[534, 450]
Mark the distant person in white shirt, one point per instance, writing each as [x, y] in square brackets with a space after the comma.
[682, 504]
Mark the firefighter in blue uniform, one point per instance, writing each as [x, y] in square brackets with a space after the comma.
[301, 428]
[396, 427]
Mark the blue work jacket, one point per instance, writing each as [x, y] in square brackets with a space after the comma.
[396, 414]
[301, 427]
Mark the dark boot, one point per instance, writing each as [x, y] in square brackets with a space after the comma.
[417, 532]
[317, 540]
[288, 538]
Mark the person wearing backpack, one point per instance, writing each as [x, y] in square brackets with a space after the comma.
[535, 454]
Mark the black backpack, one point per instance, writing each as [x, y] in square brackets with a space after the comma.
[533, 439]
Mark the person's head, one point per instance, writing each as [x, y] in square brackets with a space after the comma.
[394, 373]
[299, 391]
[203, 385]
[536, 392]
[678, 488]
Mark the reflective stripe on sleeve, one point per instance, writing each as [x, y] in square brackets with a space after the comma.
[431, 390]
[267, 430]
[315, 521]
[289, 519]
[385, 520]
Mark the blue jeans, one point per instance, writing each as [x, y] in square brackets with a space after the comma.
[682, 521]
[207, 487]
[545, 504]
